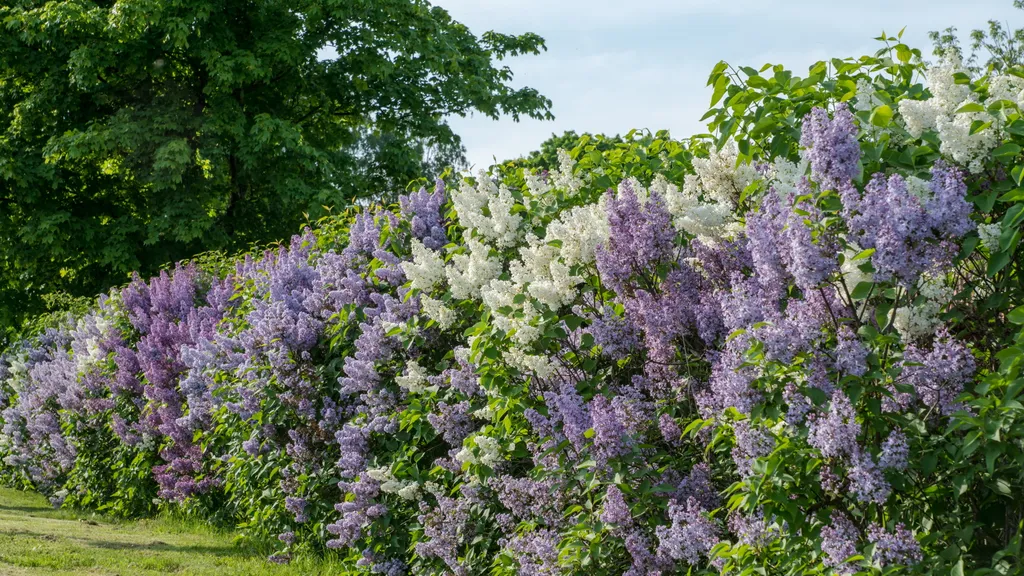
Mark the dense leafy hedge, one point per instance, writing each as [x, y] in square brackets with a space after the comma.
[789, 347]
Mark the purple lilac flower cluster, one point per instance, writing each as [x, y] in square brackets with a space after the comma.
[909, 235]
[170, 316]
[832, 146]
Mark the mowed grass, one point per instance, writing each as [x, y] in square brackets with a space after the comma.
[35, 539]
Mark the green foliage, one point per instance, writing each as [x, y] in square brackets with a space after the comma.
[638, 154]
[136, 133]
[762, 108]
[546, 157]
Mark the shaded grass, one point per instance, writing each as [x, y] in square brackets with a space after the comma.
[35, 539]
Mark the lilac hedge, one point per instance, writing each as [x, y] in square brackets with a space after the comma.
[786, 347]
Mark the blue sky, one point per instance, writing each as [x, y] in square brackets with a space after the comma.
[612, 66]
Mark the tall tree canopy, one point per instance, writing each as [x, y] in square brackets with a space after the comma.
[137, 132]
[999, 48]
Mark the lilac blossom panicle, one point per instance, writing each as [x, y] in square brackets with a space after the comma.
[909, 236]
[698, 486]
[645, 560]
[892, 221]
[867, 482]
[574, 414]
[895, 451]
[610, 438]
[363, 240]
[461, 377]
[731, 383]
[383, 566]
[939, 375]
[355, 514]
[839, 542]
[799, 328]
[819, 377]
[835, 433]
[526, 498]
[445, 531]
[830, 481]
[851, 355]
[717, 260]
[616, 337]
[810, 260]
[949, 212]
[752, 442]
[767, 243]
[616, 511]
[536, 552]
[690, 536]
[797, 405]
[670, 429]
[746, 303]
[751, 529]
[831, 145]
[642, 236]
[896, 548]
[297, 506]
[666, 315]
[424, 211]
[453, 422]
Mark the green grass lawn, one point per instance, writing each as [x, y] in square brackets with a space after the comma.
[35, 539]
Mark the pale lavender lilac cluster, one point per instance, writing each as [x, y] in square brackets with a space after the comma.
[896, 548]
[839, 540]
[832, 146]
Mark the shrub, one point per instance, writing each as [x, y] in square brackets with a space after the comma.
[787, 348]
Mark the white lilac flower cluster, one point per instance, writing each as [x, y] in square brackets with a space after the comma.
[541, 277]
[942, 113]
[488, 452]
[718, 177]
[989, 235]
[469, 272]
[498, 224]
[426, 269]
[543, 271]
[785, 175]
[705, 206]
[563, 178]
[414, 379]
[438, 312]
[406, 490]
[921, 317]
[866, 100]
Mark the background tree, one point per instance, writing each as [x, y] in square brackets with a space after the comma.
[999, 48]
[137, 132]
[546, 157]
